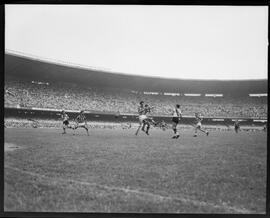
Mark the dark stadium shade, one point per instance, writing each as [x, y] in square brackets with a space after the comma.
[26, 68]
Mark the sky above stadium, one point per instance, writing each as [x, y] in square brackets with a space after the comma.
[188, 42]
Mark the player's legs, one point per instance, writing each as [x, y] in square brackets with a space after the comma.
[174, 127]
[147, 128]
[141, 123]
[75, 126]
[82, 125]
[199, 127]
[64, 129]
[86, 128]
[151, 121]
[205, 131]
[65, 125]
[138, 129]
[195, 133]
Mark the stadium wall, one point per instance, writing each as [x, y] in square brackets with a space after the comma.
[95, 116]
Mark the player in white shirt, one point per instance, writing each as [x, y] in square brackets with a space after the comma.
[198, 125]
[65, 119]
[176, 116]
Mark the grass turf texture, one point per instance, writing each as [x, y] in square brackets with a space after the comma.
[115, 171]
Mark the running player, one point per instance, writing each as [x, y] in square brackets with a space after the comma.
[176, 116]
[198, 126]
[143, 110]
[65, 118]
[80, 121]
[236, 126]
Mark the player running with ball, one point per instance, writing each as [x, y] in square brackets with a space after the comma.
[198, 125]
[175, 119]
[65, 118]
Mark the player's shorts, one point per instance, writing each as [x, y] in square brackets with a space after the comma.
[65, 122]
[142, 118]
[175, 120]
[199, 125]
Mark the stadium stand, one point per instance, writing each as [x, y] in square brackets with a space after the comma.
[61, 95]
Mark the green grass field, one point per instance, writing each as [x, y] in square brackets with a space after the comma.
[112, 170]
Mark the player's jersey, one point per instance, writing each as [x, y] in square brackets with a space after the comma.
[80, 118]
[65, 117]
[147, 110]
[176, 112]
[198, 119]
[141, 110]
[236, 124]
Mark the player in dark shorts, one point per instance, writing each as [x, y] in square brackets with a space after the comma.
[81, 122]
[65, 119]
[176, 116]
[236, 126]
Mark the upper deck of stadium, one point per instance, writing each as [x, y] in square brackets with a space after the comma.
[36, 69]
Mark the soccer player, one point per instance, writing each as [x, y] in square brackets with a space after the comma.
[176, 116]
[236, 126]
[148, 120]
[81, 122]
[265, 127]
[198, 126]
[65, 118]
[143, 110]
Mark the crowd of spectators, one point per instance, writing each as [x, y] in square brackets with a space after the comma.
[75, 97]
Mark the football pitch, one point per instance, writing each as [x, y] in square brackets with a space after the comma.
[113, 170]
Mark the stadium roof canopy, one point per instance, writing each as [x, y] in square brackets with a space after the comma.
[28, 68]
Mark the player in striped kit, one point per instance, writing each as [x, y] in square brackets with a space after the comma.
[80, 121]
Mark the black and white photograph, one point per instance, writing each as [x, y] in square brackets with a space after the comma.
[142, 109]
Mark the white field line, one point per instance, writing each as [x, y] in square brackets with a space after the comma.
[224, 206]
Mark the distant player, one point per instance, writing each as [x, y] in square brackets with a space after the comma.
[65, 119]
[265, 127]
[80, 121]
[143, 110]
[198, 125]
[176, 116]
[236, 126]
